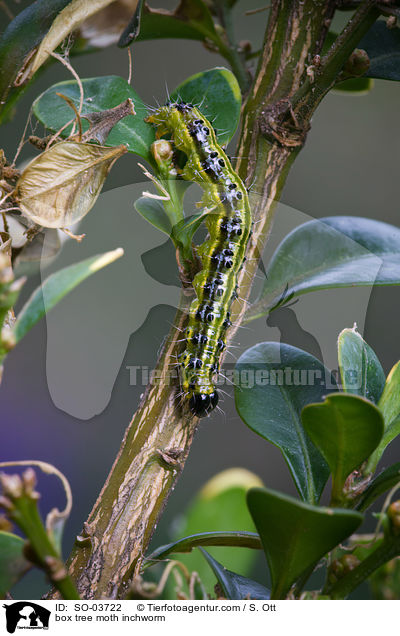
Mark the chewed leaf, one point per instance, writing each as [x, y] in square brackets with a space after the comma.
[100, 94]
[60, 186]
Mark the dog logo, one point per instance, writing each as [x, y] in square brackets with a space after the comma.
[26, 615]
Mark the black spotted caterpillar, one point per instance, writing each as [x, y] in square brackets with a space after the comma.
[228, 220]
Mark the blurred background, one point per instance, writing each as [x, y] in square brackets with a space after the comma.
[66, 396]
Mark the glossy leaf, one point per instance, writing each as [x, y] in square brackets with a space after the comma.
[296, 535]
[234, 586]
[19, 42]
[183, 232]
[220, 506]
[341, 251]
[13, 564]
[153, 211]
[56, 286]
[355, 86]
[217, 94]
[225, 539]
[100, 93]
[275, 382]
[346, 429]
[191, 20]
[360, 370]
[390, 398]
[383, 48]
[386, 480]
[389, 405]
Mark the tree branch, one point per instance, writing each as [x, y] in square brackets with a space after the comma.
[111, 549]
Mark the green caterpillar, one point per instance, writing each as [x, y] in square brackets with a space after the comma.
[228, 221]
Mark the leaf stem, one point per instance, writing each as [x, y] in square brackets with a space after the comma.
[23, 510]
[386, 551]
[325, 74]
[232, 52]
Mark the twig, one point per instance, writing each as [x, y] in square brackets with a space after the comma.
[259, 10]
[130, 65]
[78, 79]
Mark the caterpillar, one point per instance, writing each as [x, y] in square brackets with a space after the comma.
[228, 220]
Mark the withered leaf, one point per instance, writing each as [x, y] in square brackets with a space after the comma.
[60, 186]
[105, 27]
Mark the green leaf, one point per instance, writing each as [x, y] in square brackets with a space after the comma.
[153, 211]
[100, 93]
[383, 48]
[220, 506]
[217, 94]
[19, 41]
[340, 251]
[386, 480]
[183, 232]
[191, 20]
[296, 535]
[226, 539]
[346, 429]
[56, 286]
[355, 86]
[360, 369]
[389, 405]
[274, 383]
[390, 398]
[13, 564]
[234, 586]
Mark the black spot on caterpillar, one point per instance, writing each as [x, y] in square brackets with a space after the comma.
[228, 222]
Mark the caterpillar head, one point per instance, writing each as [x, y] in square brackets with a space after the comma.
[201, 404]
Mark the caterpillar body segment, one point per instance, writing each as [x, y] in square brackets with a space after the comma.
[228, 221]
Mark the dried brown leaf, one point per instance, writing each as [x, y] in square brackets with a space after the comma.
[60, 186]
